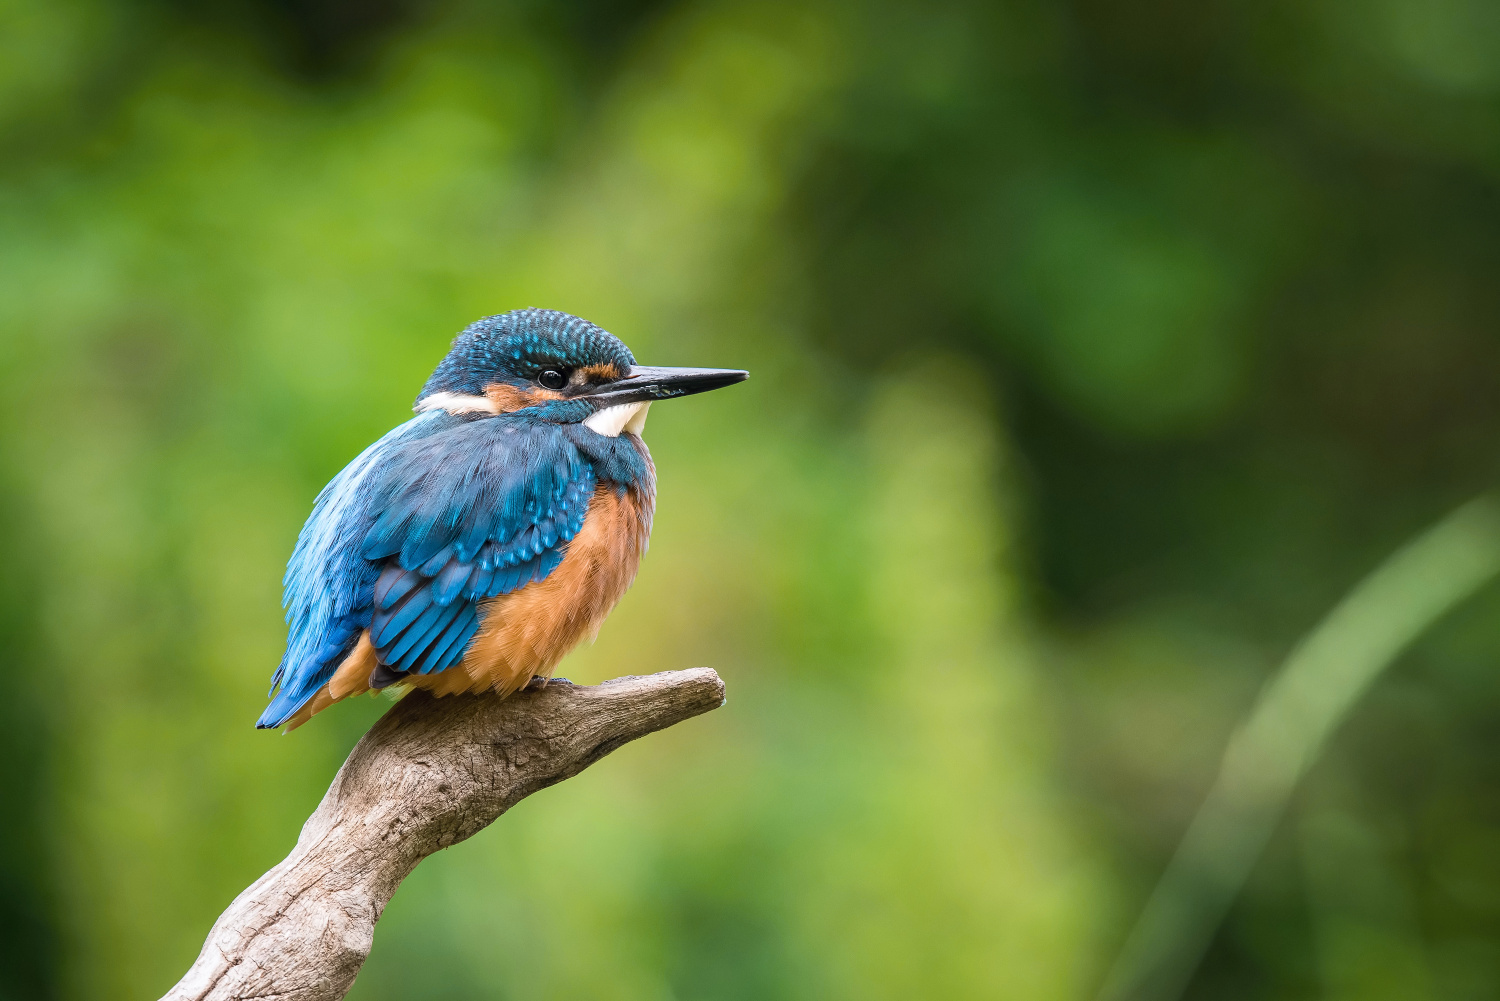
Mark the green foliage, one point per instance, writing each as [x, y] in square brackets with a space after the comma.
[1098, 349]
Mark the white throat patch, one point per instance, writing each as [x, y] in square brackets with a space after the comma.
[457, 403]
[625, 417]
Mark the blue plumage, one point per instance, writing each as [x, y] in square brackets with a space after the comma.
[523, 343]
[465, 502]
[395, 540]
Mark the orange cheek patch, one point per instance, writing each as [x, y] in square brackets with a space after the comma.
[508, 399]
[606, 372]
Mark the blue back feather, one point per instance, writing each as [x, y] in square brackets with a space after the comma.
[439, 515]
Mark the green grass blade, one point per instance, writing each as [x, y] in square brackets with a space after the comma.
[1322, 679]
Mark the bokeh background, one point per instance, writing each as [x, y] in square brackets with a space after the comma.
[1099, 348]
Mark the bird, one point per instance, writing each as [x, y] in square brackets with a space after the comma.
[473, 546]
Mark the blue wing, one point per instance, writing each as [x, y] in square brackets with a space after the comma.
[471, 520]
[428, 522]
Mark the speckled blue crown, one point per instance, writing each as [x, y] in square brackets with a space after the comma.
[515, 346]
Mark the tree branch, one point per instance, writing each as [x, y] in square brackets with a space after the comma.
[430, 773]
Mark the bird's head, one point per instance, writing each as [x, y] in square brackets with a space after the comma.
[570, 369]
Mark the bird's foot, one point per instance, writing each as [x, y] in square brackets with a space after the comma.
[541, 681]
[384, 677]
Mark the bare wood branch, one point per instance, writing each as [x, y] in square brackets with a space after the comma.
[429, 774]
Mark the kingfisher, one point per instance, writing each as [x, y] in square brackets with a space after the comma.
[476, 544]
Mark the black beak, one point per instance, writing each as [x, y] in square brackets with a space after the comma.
[644, 384]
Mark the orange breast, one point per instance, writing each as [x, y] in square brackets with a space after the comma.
[525, 633]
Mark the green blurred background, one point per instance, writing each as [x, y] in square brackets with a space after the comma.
[1098, 350]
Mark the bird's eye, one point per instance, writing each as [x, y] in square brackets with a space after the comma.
[552, 379]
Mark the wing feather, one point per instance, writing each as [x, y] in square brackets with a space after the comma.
[438, 516]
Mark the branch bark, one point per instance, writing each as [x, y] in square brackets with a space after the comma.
[430, 773]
